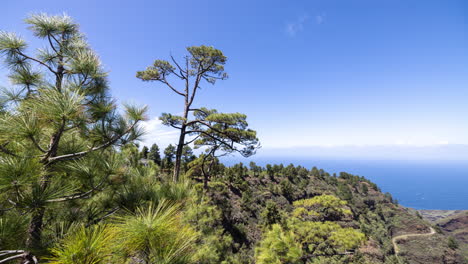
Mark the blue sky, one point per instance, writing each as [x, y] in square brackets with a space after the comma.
[307, 73]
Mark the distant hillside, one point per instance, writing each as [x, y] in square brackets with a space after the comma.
[453, 223]
[252, 200]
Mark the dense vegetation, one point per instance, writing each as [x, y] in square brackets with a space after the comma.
[77, 188]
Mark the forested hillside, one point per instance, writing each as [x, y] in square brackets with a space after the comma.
[77, 186]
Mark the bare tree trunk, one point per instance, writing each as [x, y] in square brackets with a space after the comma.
[178, 160]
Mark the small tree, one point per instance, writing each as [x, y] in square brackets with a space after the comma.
[154, 154]
[187, 157]
[144, 152]
[169, 154]
[452, 243]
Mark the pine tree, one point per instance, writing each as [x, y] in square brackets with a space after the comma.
[58, 128]
[203, 64]
[154, 154]
[144, 152]
[169, 154]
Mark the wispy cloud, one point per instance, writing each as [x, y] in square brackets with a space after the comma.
[297, 26]
[156, 132]
[319, 19]
[293, 28]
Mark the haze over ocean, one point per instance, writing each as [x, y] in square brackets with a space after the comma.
[417, 184]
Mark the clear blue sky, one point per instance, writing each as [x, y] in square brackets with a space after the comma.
[305, 72]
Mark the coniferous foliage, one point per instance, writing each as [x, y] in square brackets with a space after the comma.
[154, 154]
[59, 127]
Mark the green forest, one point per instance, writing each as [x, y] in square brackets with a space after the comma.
[77, 185]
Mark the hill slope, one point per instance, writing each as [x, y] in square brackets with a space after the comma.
[251, 200]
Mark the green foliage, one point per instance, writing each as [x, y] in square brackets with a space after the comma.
[326, 238]
[453, 243]
[278, 246]
[271, 214]
[92, 245]
[224, 132]
[321, 208]
[156, 234]
[12, 230]
[305, 239]
[154, 154]
[169, 155]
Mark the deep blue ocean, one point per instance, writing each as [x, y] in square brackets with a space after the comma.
[417, 184]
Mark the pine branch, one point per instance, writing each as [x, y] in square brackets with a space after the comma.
[77, 155]
[75, 196]
[7, 151]
[37, 144]
[36, 60]
[164, 80]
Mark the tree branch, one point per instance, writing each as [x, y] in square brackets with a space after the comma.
[7, 151]
[7, 252]
[54, 141]
[37, 144]
[164, 80]
[111, 212]
[189, 142]
[76, 195]
[230, 146]
[182, 72]
[52, 45]
[36, 60]
[25, 255]
[84, 153]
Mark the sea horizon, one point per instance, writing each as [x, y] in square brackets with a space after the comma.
[418, 184]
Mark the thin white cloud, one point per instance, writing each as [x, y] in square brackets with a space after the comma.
[319, 19]
[297, 26]
[156, 132]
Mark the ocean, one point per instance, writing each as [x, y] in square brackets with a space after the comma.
[431, 184]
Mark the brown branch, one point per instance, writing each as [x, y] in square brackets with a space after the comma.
[84, 153]
[37, 144]
[52, 45]
[54, 141]
[5, 210]
[195, 87]
[7, 151]
[182, 72]
[36, 60]
[111, 212]
[75, 196]
[189, 142]
[230, 146]
[85, 78]
[164, 80]
[208, 125]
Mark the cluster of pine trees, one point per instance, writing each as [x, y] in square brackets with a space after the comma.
[75, 187]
